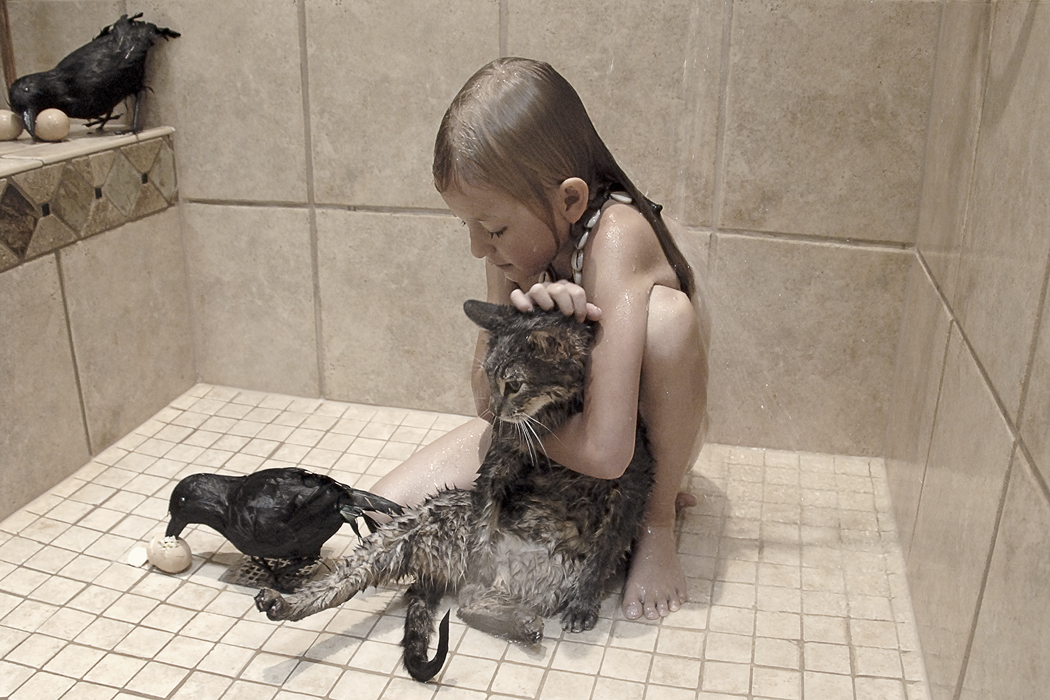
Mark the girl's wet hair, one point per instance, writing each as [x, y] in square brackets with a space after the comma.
[517, 126]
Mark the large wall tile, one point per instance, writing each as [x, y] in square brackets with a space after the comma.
[1009, 654]
[392, 293]
[42, 433]
[67, 26]
[380, 81]
[130, 320]
[916, 385]
[1035, 421]
[252, 291]
[804, 342]
[1004, 253]
[952, 140]
[648, 74]
[969, 455]
[827, 104]
[231, 86]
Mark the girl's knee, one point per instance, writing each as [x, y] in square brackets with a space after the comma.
[676, 330]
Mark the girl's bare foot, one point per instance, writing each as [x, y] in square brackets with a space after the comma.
[656, 585]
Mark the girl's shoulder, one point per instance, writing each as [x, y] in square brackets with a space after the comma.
[625, 242]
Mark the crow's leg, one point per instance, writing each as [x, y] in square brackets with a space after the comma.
[102, 121]
[496, 614]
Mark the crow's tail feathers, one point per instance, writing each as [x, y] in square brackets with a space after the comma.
[357, 502]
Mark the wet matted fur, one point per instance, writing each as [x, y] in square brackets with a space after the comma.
[532, 539]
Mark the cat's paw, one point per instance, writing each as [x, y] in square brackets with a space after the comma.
[272, 603]
[530, 629]
[580, 618]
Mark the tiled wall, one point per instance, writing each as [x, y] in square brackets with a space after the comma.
[94, 320]
[787, 137]
[968, 445]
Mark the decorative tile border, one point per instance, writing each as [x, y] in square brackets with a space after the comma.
[101, 184]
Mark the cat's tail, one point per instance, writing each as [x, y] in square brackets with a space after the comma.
[415, 643]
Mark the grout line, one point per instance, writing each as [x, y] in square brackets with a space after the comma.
[818, 240]
[363, 208]
[304, 72]
[929, 119]
[73, 351]
[720, 135]
[984, 576]
[504, 26]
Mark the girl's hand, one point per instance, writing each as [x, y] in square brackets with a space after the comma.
[570, 298]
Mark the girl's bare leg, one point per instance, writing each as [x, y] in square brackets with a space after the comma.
[674, 405]
[452, 460]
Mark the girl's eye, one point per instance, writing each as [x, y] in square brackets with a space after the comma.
[497, 234]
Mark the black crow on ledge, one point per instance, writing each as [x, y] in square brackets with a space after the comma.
[90, 82]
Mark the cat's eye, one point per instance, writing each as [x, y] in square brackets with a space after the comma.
[511, 387]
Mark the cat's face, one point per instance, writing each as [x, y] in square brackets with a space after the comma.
[536, 362]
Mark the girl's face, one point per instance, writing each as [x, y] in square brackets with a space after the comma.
[505, 232]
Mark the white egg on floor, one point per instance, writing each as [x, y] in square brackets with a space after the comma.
[52, 125]
[10, 125]
[169, 554]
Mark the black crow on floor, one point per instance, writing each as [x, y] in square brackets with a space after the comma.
[90, 82]
[285, 513]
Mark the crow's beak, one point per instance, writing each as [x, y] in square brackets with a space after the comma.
[29, 119]
[174, 528]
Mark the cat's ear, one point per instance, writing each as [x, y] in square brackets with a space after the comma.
[490, 317]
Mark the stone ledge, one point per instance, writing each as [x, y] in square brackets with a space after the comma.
[54, 194]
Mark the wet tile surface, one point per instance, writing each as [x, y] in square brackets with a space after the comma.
[796, 578]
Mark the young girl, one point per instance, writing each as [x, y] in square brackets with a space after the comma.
[560, 224]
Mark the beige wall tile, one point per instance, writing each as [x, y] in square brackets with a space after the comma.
[1008, 658]
[826, 111]
[231, 86]
[803, 344]
[969, 454]
[916, 385]
[1035, 421]
[392, 293]
[380, 81]
[68, 25]
[952, 140]
[42, 433]
[649, 75]
[130, 320]
[1004, 252]
[252, 293]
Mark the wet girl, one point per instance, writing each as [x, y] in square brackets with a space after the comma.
[560, 224]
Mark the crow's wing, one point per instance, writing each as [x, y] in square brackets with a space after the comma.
[280, 512]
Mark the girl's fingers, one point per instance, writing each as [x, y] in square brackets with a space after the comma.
[521, 301]
[571, 300]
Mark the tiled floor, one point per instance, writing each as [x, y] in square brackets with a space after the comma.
[796, 578]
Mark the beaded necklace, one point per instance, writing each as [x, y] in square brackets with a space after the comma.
[590, 218]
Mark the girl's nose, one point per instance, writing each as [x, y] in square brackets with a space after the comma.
[480, 246]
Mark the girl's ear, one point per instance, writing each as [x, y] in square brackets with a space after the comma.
[571, 199]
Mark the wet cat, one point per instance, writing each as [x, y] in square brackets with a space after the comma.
[532, 539]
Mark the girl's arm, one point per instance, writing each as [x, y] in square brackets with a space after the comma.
[621, 267]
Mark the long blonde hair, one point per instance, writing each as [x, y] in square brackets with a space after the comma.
[517, 126]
